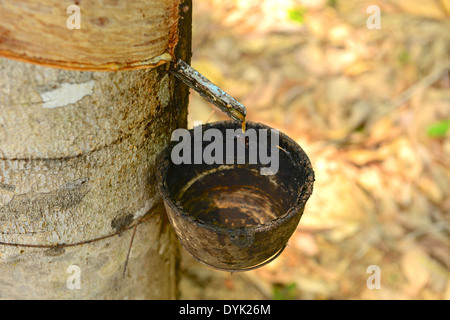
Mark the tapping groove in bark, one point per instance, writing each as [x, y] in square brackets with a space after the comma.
[113, 35]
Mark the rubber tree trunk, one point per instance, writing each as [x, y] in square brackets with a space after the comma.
[78, 151]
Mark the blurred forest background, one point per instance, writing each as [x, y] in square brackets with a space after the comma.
[371, 108]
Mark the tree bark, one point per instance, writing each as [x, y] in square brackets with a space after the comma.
[77, 179]
[112, 34]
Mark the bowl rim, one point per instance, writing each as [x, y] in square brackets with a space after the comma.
[302, 197]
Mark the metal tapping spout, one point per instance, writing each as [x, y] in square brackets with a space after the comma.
[209, 90]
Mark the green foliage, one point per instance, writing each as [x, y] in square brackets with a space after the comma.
[285, 292]
[404, 57]
[332, 3]
[438, 129]
[297, 15]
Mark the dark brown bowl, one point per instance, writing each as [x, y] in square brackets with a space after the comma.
[230, 216]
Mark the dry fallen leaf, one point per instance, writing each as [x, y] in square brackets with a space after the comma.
[415, 270]
[360, 102]
[306, 243]
[428, 9]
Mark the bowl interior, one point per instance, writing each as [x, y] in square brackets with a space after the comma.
[238, 195]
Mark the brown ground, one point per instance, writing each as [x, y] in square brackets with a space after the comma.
[372, 109]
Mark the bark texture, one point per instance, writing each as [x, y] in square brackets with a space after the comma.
[77, 162]
[113, 34]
